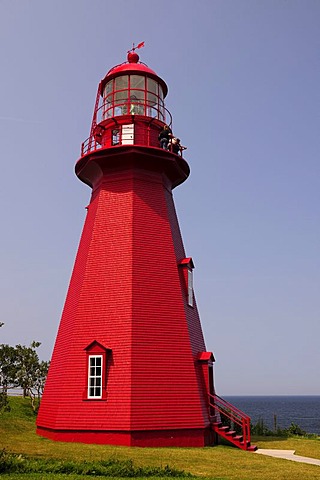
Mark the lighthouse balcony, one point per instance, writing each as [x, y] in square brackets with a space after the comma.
[130, 124]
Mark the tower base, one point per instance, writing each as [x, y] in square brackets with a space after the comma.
[155, 438]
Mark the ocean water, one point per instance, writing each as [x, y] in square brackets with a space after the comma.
[301, 410]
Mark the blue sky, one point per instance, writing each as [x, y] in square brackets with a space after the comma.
[243, 81]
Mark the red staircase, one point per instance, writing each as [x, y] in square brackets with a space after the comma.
[230, 423]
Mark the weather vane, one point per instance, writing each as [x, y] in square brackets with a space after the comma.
[140, 45]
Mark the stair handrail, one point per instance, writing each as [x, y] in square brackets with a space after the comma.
[233, 413]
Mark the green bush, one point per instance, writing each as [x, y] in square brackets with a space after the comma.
[10, 463]
[295, 430]
[261, 429]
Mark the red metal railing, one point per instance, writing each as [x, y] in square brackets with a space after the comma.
[132, 107]
[89, 145]
[145, 138]
[221, 409]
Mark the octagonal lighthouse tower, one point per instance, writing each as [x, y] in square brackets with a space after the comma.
[129, 366]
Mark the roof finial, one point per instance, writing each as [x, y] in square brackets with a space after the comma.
[132, 56]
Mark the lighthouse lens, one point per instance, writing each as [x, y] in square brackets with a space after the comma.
[134, 95]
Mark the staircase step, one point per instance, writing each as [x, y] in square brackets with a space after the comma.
[231, 433]
[252, 448]
[238, 438]
[224, 428]
[216, 424]
[247, 446]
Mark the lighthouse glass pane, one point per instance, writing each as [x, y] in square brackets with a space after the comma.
[152, 107]
[152, 99]
[160, 92]
[152, 86]
[107, 108]
[121, 83]
[161, 110]
[106, 111]
[137, 95]
[136, 81]
[121, 95]
[136, 102]
[121, 103]
[108, 88]
[95, 376]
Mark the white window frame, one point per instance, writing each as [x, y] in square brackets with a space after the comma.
[190, 287]
[95, 380]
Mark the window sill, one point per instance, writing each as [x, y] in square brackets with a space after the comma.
[94, 399]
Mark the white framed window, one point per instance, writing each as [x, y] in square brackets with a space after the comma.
[186, 277]
[115, 137]
[190, 287]
[95, 376]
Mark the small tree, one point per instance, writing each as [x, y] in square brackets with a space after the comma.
[20, 367]
[7, 373]
[41, 376]
[7, 367]
[31, 373]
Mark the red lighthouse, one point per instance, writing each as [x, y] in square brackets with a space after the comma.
[129, 366]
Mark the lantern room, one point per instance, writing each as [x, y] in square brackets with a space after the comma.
[129, 108]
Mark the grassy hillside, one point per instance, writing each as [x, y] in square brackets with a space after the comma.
[17, 435]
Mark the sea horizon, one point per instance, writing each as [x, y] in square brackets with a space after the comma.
[301, 409]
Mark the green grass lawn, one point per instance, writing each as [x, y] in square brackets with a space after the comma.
[17, 435]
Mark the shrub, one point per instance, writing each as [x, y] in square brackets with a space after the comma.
[10, 463]
[262, 430]
[295, 430]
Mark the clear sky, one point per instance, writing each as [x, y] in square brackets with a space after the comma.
[244, 79]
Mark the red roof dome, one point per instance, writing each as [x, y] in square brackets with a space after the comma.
[134, 67]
